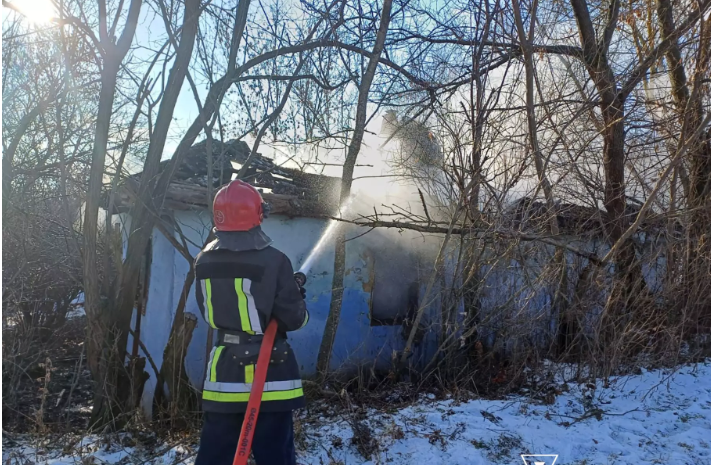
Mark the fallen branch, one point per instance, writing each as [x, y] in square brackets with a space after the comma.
[479, 233]
[597, 413]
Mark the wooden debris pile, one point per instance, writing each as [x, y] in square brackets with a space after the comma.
[289, 191]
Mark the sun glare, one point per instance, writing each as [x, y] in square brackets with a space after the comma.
[36, 11]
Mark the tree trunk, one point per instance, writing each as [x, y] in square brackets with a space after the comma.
[628, 280]
[212, 105]
[180, 397]
[96, 310]
[570, 338]
[697, 270]
[334, 313]
[560, 291]
[114, 385]
[339, 262]
[700, 153]
[143, 211]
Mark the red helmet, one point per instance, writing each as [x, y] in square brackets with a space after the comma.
[238, 207]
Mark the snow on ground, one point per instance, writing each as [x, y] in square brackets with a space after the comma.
[76, 312]
[77, 307]
[657, 417]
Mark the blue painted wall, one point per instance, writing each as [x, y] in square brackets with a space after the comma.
[357, 343]
[516, 307]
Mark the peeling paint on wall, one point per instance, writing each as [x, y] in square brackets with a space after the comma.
[369, 264]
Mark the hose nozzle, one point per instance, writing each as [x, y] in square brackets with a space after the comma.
[300, 278]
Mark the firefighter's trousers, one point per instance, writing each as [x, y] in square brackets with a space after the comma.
[273, 442]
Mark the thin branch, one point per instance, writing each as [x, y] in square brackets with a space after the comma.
[641, 70]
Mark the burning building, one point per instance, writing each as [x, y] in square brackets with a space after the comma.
[383, 279]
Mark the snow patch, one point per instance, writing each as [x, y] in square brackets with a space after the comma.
[657, 417]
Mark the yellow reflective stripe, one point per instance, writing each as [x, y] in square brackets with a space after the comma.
[249, 373]
[242, 305]
[213, 365]
[244, 396]
[208, 297]
[306, 320]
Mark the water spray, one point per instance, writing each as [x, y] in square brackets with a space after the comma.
[318, 248]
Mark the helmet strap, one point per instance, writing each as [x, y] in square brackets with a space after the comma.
[266, 209]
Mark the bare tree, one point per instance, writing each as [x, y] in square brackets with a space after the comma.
[689, 107]
[541, 157]
[324, 354]
[46, 134]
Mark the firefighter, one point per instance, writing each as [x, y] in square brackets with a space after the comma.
[242, 282]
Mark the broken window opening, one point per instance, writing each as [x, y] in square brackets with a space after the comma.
[396, 287]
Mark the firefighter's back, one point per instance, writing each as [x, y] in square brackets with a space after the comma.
[242, 283]
[239, 292]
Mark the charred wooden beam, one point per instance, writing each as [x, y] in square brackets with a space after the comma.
[185, 196]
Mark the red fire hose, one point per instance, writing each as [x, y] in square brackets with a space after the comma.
[244, 446]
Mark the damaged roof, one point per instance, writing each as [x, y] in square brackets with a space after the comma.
[572, 219]
[289, 191]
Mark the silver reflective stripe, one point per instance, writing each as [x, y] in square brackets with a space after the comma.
[247, 387]
[205, 303]
[251, 307]
[231, 339]
[209, 364]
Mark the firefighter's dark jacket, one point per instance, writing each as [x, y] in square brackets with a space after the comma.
[241, 283]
